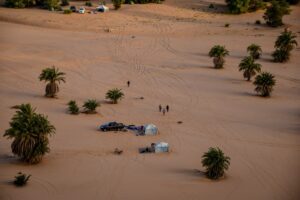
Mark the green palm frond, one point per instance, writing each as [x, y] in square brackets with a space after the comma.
[91, 105]
[114, 95]
[30, 132]
[218, 51]
[249, 67]
[264, 83]
[215, 163]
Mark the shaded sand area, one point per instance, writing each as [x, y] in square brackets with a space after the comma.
[162, 50]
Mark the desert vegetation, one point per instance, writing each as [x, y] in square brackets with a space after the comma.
[73, 107]
[284, 44]
[275, 12]
[264, 83]
[21, 179]
[242, 6]
[90, 106]
[215, 163]
[29, 132]
[249, 67]
[52, 76]
[114, 95]
[218, 53]
[117, 4]
[65, 3]
[254, 50]
[47, 4]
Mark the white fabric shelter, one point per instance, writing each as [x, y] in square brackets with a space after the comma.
[150, 129]
[161, 147]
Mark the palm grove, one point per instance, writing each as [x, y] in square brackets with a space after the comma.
[30, 130]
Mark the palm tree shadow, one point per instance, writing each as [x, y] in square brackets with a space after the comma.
[9, 159]
[248, 94]
[105, 102]
[23, 94]
[196, 173]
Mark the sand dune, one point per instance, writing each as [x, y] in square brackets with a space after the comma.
[167, 63]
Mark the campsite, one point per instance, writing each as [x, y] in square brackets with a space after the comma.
[139, 102]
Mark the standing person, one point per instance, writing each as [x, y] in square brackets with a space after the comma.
[164, 111]
[128, 83]
[167, 108]
[159, 108]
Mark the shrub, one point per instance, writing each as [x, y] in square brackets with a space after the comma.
[275, 12]
[114, 95]
[293, 2]
[264, 83]
[255, 5]
[73, 108]
[65, 3]
[227, 25]
[218, 53]
[88, 3]
[215, 163]
[258, 22]
[238, 6]
[47, 4]
[102, 2]
[67, 11]
[15, 3]
[21, 179]
[117, 4]
[30, 132]
[90, 106]
[211, 6]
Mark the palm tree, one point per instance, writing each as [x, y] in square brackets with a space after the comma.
[264, 83]
[90, 106]
[249, 67]
[254, 50]
[284, 44]
[218, 52]
[30, 132]
[215, 163]
[52, 75]
[114, 95]
[280, 55]
[73, 108]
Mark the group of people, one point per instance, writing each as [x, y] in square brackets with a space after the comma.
[163, 110]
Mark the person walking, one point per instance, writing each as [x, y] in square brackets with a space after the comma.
[164, 111]
[159, 108]
[167, 108]
[128, 83]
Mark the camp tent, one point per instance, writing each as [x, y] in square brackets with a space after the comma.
[150, 129]
[161, 147]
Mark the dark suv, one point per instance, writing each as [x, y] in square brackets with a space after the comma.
[73, 8]
[112, 126]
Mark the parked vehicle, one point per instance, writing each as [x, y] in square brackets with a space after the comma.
[112, 126]
[102, 8]
[81, 10]
[73, 8]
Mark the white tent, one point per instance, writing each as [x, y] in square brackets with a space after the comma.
[150, 129]
[161, 147]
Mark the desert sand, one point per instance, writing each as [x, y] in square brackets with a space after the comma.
[162, 50]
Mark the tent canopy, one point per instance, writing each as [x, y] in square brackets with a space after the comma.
[161, 147]
[150, 129]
